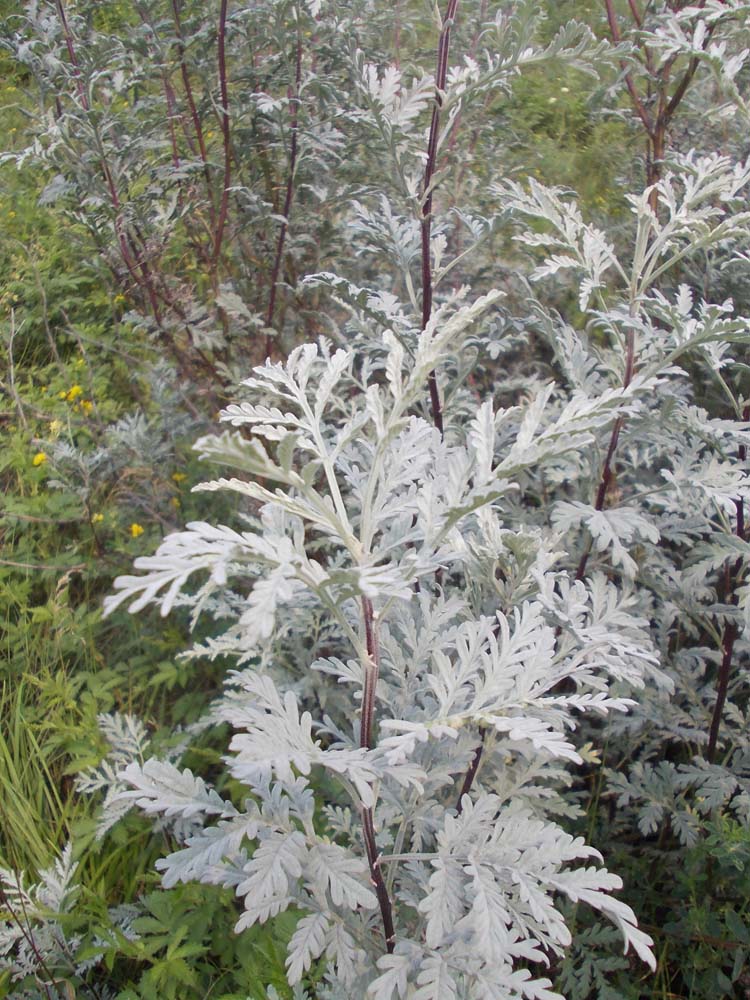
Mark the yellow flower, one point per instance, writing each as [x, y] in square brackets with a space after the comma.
[178, 476]
[135, 530]
[39, 458]
[87, 406]
[175, 501]
[11, 215]
[55, 426]
[118, 299]
[97, 518]
[73, 393]
[209, 135]
[62, 394]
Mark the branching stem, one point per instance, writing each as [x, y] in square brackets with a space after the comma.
[427, 191]
[470, 775]
[224, 93]
[294, 101]
[730, 630]
[195, 117]
[607, 473]
[372, 669]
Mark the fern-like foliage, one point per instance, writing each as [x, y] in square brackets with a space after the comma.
[362, 504]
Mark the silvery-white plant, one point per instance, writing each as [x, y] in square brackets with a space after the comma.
[422, 612]
[434, 866]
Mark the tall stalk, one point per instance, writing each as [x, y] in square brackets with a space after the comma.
[427, 191]
[655, 111]
[372, 671]
[224, 97]
[730, 631]
[195, 117]
[294, 101]
[441, 73]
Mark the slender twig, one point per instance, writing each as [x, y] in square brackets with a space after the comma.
[171, 115]
[638, 104]
[372, 670]
[224, 92]
[189, 97]
[46, 567]
[371, 674]
[725, 670]
[655, 125]
[72, 54]
[12, 372]
[43, 297]
[28, 934]
[730, 630]
[656, 131]
[470, 775]
[607, 473]
[131, 262]
[294, 102]
[637, 16]
[427, 192]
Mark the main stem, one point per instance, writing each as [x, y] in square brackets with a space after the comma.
[731, 630]
[429, 171]
[607, 473]
[372, 669]
[224, 92]
[294, 128]
[190, 98]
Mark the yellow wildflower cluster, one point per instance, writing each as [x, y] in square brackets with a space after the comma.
[39, 459]
[135, 530]
[71, 394]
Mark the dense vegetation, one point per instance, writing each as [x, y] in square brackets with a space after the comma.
[476, 591]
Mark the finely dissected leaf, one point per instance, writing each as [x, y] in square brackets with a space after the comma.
[159, 787]
[343, 875]
[269, 876]
[306, 944]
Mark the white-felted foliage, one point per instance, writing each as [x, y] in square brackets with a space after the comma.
[509, 603]
[395, 503]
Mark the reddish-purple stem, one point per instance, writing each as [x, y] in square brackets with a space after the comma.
[471, 773]
[195, 117]
[426, 224]
[72, 54]
[171, 114]
[224, 92]
[730, 630]
[132, 261]
[607, 473]
[638, 104]
[372, 670]
[28, 935]
[294, 102]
